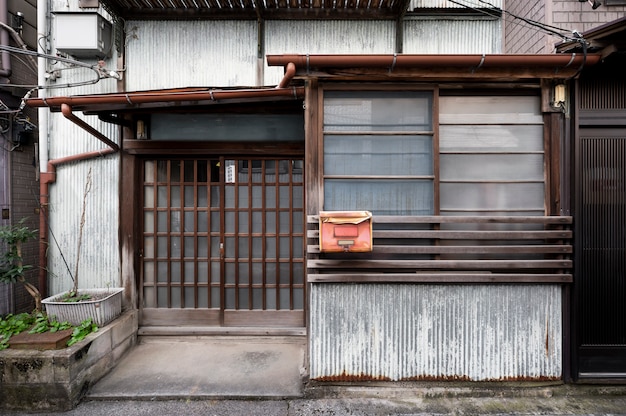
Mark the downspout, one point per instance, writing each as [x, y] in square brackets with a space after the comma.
[5, 71]
[290, 72]
[42, 119]
[49, 176]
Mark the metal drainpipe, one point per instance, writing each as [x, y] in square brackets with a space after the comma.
[49, 176]
[42, 121]
[290, 72]
[5, 71]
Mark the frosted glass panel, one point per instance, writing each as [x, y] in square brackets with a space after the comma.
[148, 197]
[494, 109]
[148, 222]
[381, 197]
[378, 155]
[377, 111]
[492, 196]
[483, 167]
[481, 138]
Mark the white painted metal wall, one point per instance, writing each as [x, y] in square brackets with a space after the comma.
[166, 54]
[100, 253]
[453, 35]
[413, 332]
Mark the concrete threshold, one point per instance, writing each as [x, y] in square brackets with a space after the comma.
[207, 367]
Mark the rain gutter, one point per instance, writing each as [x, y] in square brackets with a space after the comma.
[473, 62]
[131, 99]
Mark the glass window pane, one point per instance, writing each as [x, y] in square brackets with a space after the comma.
[244, 251]
[175, 171]
[189, 272]
[162, 297]
[381, 197]
[492, 196]
[229, 222]
[494, 138]
[270, 197]
[203, 297]
[148, 171]
[148, 272]
[162, 171]
[161, 196]
[257, 222]
[175, 246]
[189, 247]
[175, 221]
[148, 196]
[378, 155]
[148, 297]
[298, 298]
[175, 196]
[494, 109]
[229, 198]
[162, 246]
[190, 220]
[202, 174]
[243, 298]
[189, 297]
[377, 111]
[243, 197]
[203, 272]
[243, 223]
[148, 222]
[175, 298]
[189, 171]
[162, 275]
[298, 197]
[189, 197]
[202, 197]
[484, 167]
[175, 274]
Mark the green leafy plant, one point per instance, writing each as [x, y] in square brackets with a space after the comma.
[38, 323]
[12, 268]
[13, 325]
[44, 324]
[81, 331]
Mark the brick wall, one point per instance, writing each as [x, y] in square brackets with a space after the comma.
[570, 15]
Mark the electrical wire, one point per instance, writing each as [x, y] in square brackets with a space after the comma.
[546, 28]
[95, 68]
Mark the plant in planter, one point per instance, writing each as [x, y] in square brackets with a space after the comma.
[75, 306]
[12, 268]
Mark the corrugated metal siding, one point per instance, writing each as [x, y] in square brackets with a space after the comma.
[446, 4]
[100, 253]
[326, 37]
[427, 332]
[190, 53]
[100, 258]
[454, 35]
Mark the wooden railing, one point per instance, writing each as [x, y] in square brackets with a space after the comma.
[451, 249]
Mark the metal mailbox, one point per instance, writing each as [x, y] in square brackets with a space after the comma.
[345, 231]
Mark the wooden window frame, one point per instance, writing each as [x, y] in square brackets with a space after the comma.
[434, 133]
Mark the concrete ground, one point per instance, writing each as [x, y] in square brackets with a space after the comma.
[263, 376]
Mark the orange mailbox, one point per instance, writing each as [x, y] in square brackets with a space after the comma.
[349, 231]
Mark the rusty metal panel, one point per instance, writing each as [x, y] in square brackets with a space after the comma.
[326, 37]
[171, 54]
[435, 332]
[452, 35]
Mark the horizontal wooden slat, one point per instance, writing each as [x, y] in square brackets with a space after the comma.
[431, 249]
[535, 250]
[440, 278]
[466, 235]
[460, 219]
[439, 264]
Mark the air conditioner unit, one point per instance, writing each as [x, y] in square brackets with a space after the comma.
[83, 34]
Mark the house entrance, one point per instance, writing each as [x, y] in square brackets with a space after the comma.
[600, 287]
[223, 242]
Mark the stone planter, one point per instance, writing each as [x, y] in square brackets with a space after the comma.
[106, 307]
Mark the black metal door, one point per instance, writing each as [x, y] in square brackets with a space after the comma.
[600, 282]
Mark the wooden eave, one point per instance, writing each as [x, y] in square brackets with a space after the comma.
[257, 9]
[604, 39]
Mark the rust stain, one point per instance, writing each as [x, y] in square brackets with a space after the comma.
[366, 377]
[352, 377]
